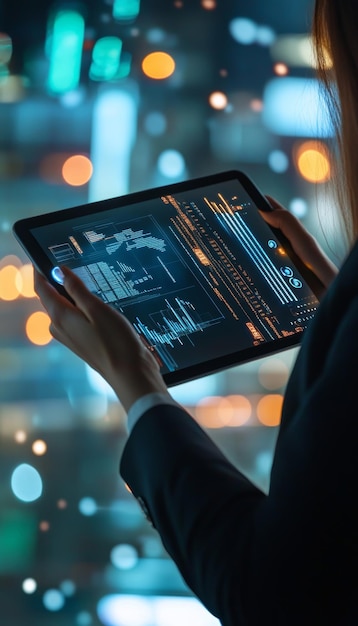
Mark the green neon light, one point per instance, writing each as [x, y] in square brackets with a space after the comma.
[66, 52]
[126, 10]
[106, 58]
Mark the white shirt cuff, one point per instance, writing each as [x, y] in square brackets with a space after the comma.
[145, 403]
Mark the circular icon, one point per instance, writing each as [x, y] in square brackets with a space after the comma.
[57, 275]
[286, 271]
[296, 283]
[272, 243]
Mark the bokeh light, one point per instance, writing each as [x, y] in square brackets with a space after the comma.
[8, 283]
[278, 161]
[158, 65]
[38, 328]
[243, 30]
[171, 164]
[20, 436]
[155, 123]
[77, 170]
[313, 162]
[84, 618]
[53, 600]
[44, 526]
[39, 447]
[265, 36]
[218, 100]
[269, 409]
[25, 281]
[256, 105]
[68, 587]
[298, 207]
[280, 69]
[273, 374]
[223, 411]
[209, 5]
[87, 506]
[29, 585]
[124, 556]
[26, 483]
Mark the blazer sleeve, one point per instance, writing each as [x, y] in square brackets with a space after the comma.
[286, 558]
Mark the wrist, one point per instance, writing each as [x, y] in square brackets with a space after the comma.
[135, 382]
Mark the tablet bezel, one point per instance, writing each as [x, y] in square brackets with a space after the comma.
[22, 232]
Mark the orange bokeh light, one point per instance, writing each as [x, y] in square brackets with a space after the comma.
[220, 412]
[209, 5]
[38, 328]
[8, 283]
[280, 69]
[313, 162]
[269, 409]
[158, 65]
[77, 170]
[25, 281]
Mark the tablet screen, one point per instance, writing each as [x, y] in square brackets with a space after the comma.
[198, 272]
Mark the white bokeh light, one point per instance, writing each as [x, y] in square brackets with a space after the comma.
[29, 585]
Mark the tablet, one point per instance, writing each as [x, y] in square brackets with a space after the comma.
[193, 265]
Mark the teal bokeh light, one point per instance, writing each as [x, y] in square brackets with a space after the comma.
[65, 44]
[106, 57]
[126, 10]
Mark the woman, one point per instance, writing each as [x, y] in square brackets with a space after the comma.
[290, 557]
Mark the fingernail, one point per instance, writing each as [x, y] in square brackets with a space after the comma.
[58, 275]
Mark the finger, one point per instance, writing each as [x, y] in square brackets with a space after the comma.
[80, 294]
[48, 295]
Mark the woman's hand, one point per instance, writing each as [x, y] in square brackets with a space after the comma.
[302, 242]
[102, 337]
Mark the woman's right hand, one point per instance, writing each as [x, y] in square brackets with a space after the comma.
[302, 242]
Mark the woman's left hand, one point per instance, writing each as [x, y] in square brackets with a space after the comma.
[102, 337]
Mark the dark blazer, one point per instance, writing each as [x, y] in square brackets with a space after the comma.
[289, 558]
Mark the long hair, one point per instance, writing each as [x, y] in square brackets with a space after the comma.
[335, 37]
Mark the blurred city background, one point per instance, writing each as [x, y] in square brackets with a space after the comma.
[99, 99]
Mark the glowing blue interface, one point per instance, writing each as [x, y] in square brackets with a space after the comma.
[199, 274]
